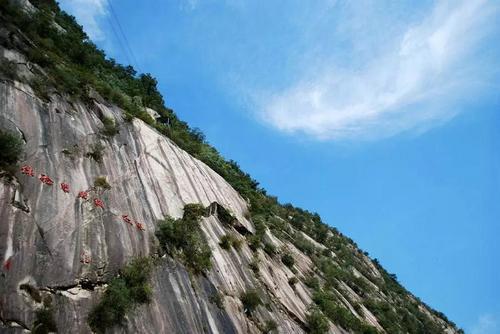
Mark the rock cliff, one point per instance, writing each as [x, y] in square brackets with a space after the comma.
[62, 250]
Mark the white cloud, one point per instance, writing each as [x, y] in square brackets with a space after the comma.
[189, 4]
[409, 85]
[486, 324]
[88, 13]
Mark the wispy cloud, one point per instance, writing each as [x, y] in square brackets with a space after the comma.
[410, 82]
[486, 324]
[88, 14]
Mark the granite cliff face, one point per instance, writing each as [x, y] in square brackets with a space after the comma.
[46, 234]
[44, 231]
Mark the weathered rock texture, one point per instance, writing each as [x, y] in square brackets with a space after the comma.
[45, 233]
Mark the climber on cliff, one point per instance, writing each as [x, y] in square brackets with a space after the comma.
[98, 203]
[140, 226]
[65, 187]
[127, 220]
[27, 170]
[45, 179]
[7, 264]
[83, 195]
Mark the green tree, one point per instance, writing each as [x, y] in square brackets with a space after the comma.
[316, 322]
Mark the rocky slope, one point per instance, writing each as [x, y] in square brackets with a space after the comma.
[61, 250]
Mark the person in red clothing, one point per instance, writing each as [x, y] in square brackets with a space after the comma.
[65, 187]
[45, 179]
[98, 203]
[140, 226]
[127, 220]
[83, 195]
[27, 170]
[7, 264]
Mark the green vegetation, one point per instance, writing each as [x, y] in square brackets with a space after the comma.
[225, 216]
[123, 293]
[184, 239]
[11, 147]
[96, 152]
[312, 282]
[101, 182]
[225, 242]
[316, 322]
[110, 128]
[303, 244]
[71, 152]
[230, 240]
[270, 326]
[254, 265]
[8, 69]
[255, 240]
[217, 298]
[250, 300]
[339, 315]
[44, 321]
[270, 249]
[287, 260]
[293, 280]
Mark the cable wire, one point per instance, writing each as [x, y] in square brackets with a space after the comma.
[124, 36]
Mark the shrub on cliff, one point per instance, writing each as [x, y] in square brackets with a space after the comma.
[10, 149]
[44, 321]
[316, 322]
[122, 294]
[8, 69]
[96, 153]
[250, 300]
[331, 307]
[288, 260]
[217, 298]
[184, 238]
[110, 129]
[270, 326]
[230, 240]
[102, 182]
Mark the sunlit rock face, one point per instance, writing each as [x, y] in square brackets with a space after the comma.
[45, 233]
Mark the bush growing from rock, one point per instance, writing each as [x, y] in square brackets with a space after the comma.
[217, 298]
[270, 326]
[96, 153]
[293, 280]
[288, 260]
[270, 249]
[110, 129]
[250, 300]
[230, 240]
[185, 239]
[101, 182]
[44, 321]
[9, 69]
[10, 150]
[122, 294]
[316, 322]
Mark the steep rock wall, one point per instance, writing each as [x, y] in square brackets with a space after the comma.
[44, 232]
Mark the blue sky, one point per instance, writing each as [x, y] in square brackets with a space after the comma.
[381, 116]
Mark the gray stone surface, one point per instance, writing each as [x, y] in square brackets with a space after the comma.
[44, 231]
